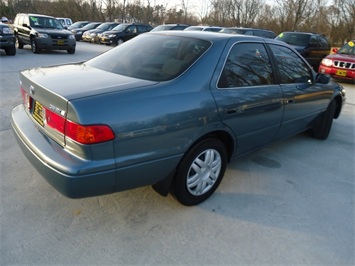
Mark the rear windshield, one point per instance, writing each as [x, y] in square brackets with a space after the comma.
[297, 39]
[152, 57]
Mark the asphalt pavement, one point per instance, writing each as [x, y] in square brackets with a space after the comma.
[290, 203]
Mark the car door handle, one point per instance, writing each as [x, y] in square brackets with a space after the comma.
[291, 100]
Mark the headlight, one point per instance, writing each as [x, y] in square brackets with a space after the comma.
[71, 36]
[78, 32]
[112, 36]
[42, 35]
[327, 62]
[7, 31]
[93, 34]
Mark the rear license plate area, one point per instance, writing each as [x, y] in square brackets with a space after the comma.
[37, 113]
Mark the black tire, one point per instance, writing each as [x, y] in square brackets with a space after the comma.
[119, 41]
[71, 51]
[19, 43]
[34, 47]
[322, 127]
[209, 157]
[10, 50]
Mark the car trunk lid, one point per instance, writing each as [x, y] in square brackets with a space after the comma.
[46, 91]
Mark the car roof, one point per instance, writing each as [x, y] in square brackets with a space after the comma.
[302, 32]
[212, 36]
[37, 15]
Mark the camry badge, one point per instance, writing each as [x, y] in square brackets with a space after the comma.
[32, 90]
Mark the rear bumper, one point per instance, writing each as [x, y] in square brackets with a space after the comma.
[76, 177]
[70, 175]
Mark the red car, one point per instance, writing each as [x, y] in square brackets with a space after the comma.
[341, 64]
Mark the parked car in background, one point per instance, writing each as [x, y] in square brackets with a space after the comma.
[78, 25]
[170, 27]
[312, 46]
[124, 32]
[95, 34]
[42, 32]
[250, 31]
[168, 109]
[204, 28]
[66, 22]
[78, 33]
[341, 64]
[7, 39]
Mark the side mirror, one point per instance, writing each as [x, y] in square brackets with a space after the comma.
[25, 25]
[322, 78]
[334, 50]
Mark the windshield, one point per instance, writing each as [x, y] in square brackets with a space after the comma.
[90, 26]
[45, 22]
[152, 57]
[162, 27]
[348, 48]
[294, 38]
[233, 31]
[120, 27]
[104, 26]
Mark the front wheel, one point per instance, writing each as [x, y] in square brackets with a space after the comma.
[200, 172]
[322, 127]
[120, 41]
[34, 47]
[71, 51]
[10, 50]
[19, 43]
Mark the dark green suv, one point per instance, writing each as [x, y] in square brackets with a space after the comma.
[312, 46]
[42, 32]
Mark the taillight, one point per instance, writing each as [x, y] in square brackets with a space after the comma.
[83, 134]
[88, 134]
[54, 120]
[27, 100]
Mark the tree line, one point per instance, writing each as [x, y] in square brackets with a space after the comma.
[333, 18]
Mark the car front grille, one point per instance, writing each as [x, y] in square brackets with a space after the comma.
[342, 64]
[59, 37]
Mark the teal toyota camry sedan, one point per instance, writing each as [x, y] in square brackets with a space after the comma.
[169, 110]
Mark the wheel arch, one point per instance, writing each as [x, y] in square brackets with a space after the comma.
[338, 100]
[164, 187]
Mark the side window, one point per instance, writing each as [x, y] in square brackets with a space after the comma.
[292, 68]
[142, 28]
[131, 29]
[247, 64]
[314, 42]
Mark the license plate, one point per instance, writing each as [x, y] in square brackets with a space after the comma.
[38, 113]
[60, 42]
[341, 73]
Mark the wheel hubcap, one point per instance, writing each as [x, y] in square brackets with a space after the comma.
[203, 172]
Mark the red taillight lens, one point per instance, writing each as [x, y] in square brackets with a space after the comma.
[88, 134]
[27, 100]
[54, 120]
